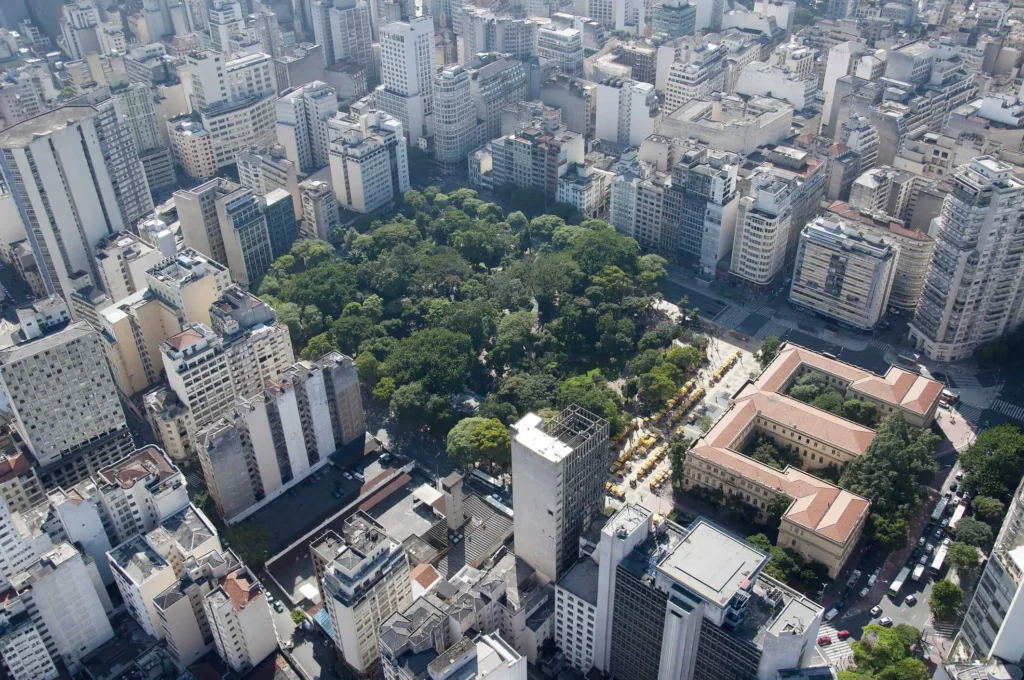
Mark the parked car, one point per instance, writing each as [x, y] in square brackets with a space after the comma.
[346, 476]
[843, 634]
[954, 501]
[824, 640]
[921, 541]
[278, 606]
[831, 614]
[885, 621]
[959, 475]
[945, 523]
[929, 548]
[337, 494]
[915, 553]
[876, 610]
[937, 534]
[864, 592]
[910, 600]
[953, 486]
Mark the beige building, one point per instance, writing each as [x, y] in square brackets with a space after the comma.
[843, 273]
[134, 327]
[369, 167]
[122, 260]
[823, 522]
[190, 282]
[192, 147]
[170, 421]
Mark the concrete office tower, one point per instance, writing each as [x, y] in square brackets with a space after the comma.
[673, 19]
[842, 273]
[20, 548]
[703, 201]
[225, 23]
[303, 63]
[710, 14]
[21, 643]
[763, 221]
[197, 212]
[77, 178]
[365, 582]
[495, 83]
[692, 603]
[192, 147]
[134, 327]
[189, 283]
[302, 116]
[564, 47]
[859, 135]
[587, 188]
[320, 210]
[352, 35]
[996, 611]
[700, 75]
[79, 23]
[268, 30]
[407, 72]
[369, 166]
[626, 111]
[456, 131]
[483, 31]
[263, 169]
[576, 601]
[240, 620]
[140, 492]
[71, 421]
[558, 470]
[122, 261]
[256, 231]
[64, 600]
[270, 442]
[884, 191]
[535, 156]
[974, 292]
[136, 101]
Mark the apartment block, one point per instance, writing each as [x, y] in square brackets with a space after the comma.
[366, 580]
[974, 289]
[703, 201]
[564, 47]
[535, 156]
[626, 111]
[256, 230]
[192, 147]
[319, 210]
[136, 100]
[456, 129]
[843, 273]
[699, 73]
[190, 282]
[268, 443]
[21, 644]
[171, 422]
[558, 467]
[369, 166]
[122, 260]
[484, 31]
[824, 522]
[141, 491]
[763, 222]
[265, 168]
[587, 188]
[302, 115]
[576, 612]
[883, 190]
[407, 71]
[240, 620]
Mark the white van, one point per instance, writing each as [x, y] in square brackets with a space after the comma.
[831, 614]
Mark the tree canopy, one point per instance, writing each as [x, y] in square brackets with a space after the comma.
[946, 600]
[886, 653]
[993, 464]
[480, 439]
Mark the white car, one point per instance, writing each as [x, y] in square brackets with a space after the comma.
[876, 610]
[910, 600]
[885, 621]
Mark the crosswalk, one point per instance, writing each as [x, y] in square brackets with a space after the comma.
[965, 381]
[731, 317]
[880, 344]
[766, 311]
[944, 628]
[971, 414]
[1008, 409]
[772, 328]
[839, 654]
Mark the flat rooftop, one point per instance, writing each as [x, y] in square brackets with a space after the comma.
[713, 563]
[581, 580]
[147, 462]
[27, 131]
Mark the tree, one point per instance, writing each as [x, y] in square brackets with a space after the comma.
[946, 599]
[989, 509]
[962, 557]
[993, 464]
[880, 648]
[892, 472]
[830, 400]
[891, 532]
[436, 356]
[513, 341]
[251, 541]
[769, 350]
[318, 346]
[368, 369]
[687, 358]
[805, 393]
[591, 392]
[677, 459]
[905, 669]
[528, 391]
[297, 615]
[973, 532]
[408, 403]
[859, 411]
[705, 423]
[384, 389]
[479, 439]
[761, 542]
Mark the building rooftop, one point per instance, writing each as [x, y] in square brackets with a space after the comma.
[27, 131]
[145, 463]
[187, 528]
[581, 580]
[713, 563]
[137, 558]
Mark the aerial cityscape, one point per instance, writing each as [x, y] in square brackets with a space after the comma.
[512, 339]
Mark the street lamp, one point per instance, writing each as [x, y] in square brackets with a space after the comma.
[821, 593]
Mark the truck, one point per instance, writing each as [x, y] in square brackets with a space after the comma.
[918, 572]
[957, 516]
[897, 583]
[940, 509]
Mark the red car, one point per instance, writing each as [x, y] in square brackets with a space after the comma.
[824, 640]
[843, 634]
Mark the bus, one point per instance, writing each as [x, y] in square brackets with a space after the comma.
[486, 479]
[957, 516]
[918, 572]
[940, 509]
[897, 583]
[940, 557]
[948, 397]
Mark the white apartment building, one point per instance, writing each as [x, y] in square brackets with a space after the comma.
[141, 491]
[136, 100]
[21, 643]
[79, 23]
[883, 190]
[975, 282]
[21, 547]
[762, 230]
[485, 657]
[264, 169]
[192, 146]
[197, 213]
[302, 115]
[234, 125]
[483, 31]
[319, 210]
[576, 614]
[563, 46]
[122, 261]
[77, 178]
[365, 582]
[702, 201]
[369, 166]
[269, 442]
[225, 22]
[588, 189]
[456, 131]
[626, 111]
[861, 136]
[843, 273]
[624, 192]
[557, 466]
[240, 620]
[352, 32]
[407, 72]
[699, 73]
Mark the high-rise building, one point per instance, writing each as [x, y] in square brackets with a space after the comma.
[883, 190]
[197, 212]
[271, 441]
[843, 273]
[407, 73]
[192, 147]
[558, 470]
[369, 166]
[63, 399]
[263, 169]
[319, 210]
[456, 129]
[494, 83]
[140, 492]
[77, 178]
[697, 75]
[564, 47]
[626, 111]
[78, 25]
[21, 549]
[365, 581]
[974, 292]
[122, 261]
[673, 19]
[587, 188]
[702, 201]
[763, 221]
[710, 14]
[858, 134]
[189, 283]
[225, 22]
[136, 101]
[21, 643]
[485, 32]
[302, 116]
[534, 156]
[239, 616]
